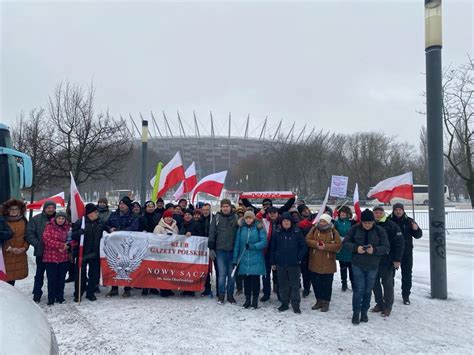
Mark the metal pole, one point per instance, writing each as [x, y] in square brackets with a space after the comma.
[434, 127]
[144, 156]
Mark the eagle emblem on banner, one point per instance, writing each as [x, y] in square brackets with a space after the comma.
[127, 258]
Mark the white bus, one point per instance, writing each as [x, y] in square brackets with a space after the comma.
[420, 194]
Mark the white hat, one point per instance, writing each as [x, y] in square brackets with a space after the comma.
[326, 217]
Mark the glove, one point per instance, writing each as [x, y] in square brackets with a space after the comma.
[212, 254]
[247, 246]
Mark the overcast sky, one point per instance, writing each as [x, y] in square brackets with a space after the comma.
[344, 66]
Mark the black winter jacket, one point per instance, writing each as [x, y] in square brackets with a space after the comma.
[395, 239]
[358, 236]
[149, 221]
[92, 235]
[288, 246]
[192, 226]
[405, 225]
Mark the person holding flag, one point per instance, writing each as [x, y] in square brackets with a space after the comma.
[90, 261]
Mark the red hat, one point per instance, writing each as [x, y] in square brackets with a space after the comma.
[167, 213]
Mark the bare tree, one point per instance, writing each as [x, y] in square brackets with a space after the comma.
[458, 116]
[91, 146]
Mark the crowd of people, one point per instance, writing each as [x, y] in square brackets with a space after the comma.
[279, 249]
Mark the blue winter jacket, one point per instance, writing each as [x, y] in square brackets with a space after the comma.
[252, 261]
[343, 226]
[123, 222]
[288, 247]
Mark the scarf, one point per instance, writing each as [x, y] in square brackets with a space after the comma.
[14, 219]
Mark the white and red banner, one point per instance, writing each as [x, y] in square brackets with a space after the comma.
[138, 259]
[357, 210]
[37, 205]
[211, 184]
[398, 186]
[268, 194]
[77, 203]
[171, 174]
[189, 182]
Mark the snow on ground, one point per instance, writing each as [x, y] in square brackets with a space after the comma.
[182, 325]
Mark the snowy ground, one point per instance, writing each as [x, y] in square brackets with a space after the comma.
[183, 325]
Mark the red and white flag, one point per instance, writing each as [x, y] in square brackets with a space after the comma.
[3, 270]
[171, 174]
[357, 210]
[322, 208]
[187, 185]
[77, 203]
[398, 186]
[58, 198]
[81, 242]
[211, 184]
[268, 194]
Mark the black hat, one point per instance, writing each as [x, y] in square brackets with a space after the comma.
[367, 216]
[286, 215]
[126, 200]
[398, 205]
[267, 201]
[272, 209]
[136, 203]
[378, 208]
[169, 205]
[189, 210]
[301, 208]
[149, 202]
[90, 207]
[159, 200]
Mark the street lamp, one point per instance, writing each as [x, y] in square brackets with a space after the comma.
[434, 128]
[144, 156]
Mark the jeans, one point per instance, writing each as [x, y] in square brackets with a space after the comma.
[385, 275]
[56, 280]
[362, 288]
[225, 282]
[322, 285]
[406, 266]
[39, 277]
[288, 284]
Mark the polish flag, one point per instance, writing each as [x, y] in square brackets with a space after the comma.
[211, 184]
[171, 174]
[77, 203]
[187, 185]
[398, 186]
[37, 205]
[357, 210]
[322, 208]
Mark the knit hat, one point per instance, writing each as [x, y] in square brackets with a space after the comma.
[378, 208]
[103, 200]
[249, 214]
[169, 205]
[90, 207]
[49, 203]
[226, 201]
[272, 209]
[286, 215]
[167, 213]
[159, 200]
[60, 214]
[240, 210]
[126, 200]
[367, 216]
[301, 208]
[398, 205]
[325, 217]
[197, 211]
[346, 210]
[267, 201]
[136, 203]
[189, 210]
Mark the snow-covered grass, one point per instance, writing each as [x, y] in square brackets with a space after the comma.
[183, 325]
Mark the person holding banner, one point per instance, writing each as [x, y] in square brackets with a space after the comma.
[90, 268]
[222, 233]
[190, 226]
[324, 242]
[250, 241]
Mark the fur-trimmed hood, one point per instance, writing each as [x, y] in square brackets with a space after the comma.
[257, 223]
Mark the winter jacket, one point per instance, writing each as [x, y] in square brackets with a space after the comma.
[54, 238]
[252, 261]
[122, 221]
[358, 236]
[92, 235]
[163, 228]
[35, 230]
[285, 208]
[104, 214]
[148, 222]
[288, 247]
[222, 232]
[405, 225]
[206, 224]
[16, 265]
[195, 228]
[395, 239]
[269, 226]
[343, 226]
[5, 231]
[323, 261]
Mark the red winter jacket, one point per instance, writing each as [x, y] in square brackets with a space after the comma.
[54, 237]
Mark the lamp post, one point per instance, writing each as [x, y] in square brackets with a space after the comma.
[434, 127]
[144, 156]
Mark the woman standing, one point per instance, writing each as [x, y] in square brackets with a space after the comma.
[343, 224]
[55, 256]
[14, 249]
[324, 242]
[250, 241]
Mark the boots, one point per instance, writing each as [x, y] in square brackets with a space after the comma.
[220, 299]
[284, 307]
[344, 286]
[325, 306]
[255, 302]
[355, 318]
[231, 299]
[113, 292]
[363, 317]
[318, 305]
[296, 308]
[377, 308]
[247, 302]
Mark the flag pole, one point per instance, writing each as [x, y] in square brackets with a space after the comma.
[79, 260]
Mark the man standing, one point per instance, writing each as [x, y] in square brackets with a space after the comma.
[205, 224]
[389, 263]
[103, 208]
[368, 243]
[221, 244]
[34, 236]
[410, 230]
[122, 220]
